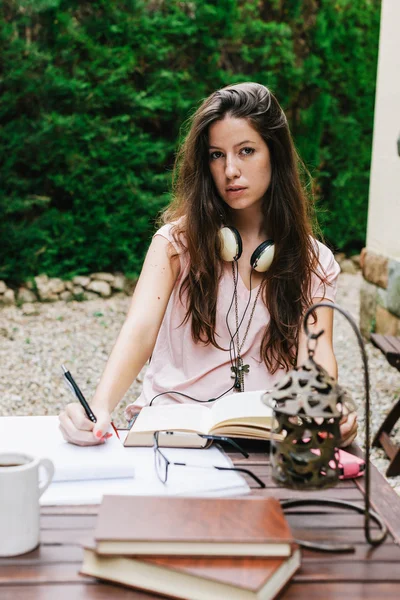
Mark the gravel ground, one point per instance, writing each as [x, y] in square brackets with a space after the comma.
[81, 335]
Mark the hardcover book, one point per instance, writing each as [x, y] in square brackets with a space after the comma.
[196, 578]
[176, 526]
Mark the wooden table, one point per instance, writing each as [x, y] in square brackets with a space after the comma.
[51, 571]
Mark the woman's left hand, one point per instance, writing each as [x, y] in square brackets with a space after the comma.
[348, 427]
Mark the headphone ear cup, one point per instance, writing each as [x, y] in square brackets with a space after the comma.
[263, 256]
[231, 244]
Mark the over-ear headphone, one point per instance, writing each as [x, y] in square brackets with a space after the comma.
[231, 249]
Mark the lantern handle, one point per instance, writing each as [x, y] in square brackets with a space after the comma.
[313, 337]
[288, 504]
[310, 336]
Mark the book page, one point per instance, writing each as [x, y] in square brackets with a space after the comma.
[174, 417]
[239, 405]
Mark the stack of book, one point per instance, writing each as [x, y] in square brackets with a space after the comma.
[193, 548]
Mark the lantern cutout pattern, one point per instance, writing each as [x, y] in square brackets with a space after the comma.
[307, 405]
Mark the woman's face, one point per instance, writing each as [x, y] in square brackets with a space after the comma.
[240, 163]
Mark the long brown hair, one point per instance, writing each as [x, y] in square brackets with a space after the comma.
[198, 212]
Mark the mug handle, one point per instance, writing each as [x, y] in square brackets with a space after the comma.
[49, 468]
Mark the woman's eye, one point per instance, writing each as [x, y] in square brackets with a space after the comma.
[215, 155]
[247, 151]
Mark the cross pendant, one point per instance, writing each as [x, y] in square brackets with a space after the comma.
[238, 374]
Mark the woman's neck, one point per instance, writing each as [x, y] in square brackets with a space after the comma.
[249, 223]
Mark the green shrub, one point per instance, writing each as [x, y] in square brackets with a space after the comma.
[94, 94]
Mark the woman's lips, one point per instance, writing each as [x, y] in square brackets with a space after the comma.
[236, 192]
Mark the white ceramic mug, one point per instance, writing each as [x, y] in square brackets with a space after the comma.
[20, 490]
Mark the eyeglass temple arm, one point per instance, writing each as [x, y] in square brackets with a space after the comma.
[260, 483]
[220, 438]
[250, 473]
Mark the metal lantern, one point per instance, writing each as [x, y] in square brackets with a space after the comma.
[308, 405]
[307, 408]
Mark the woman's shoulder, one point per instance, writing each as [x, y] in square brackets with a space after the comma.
[324, 278]
[324, 254]
[165, 231]
[174, 233]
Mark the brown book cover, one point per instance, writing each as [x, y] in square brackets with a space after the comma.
[151, 525]
[196, 578]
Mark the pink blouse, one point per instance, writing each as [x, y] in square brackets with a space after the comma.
[180, 364]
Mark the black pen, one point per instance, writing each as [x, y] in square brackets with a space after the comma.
[75, 389]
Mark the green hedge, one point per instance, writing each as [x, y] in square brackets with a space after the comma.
[93, 95]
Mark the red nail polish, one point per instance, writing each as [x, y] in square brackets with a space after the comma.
[107, 435]
[98, 434]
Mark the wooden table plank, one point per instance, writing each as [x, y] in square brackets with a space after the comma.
[78, 591]
[331, 571]
[65, 536]
[350, 536]
[42, 573]
[264, 471]
[49, 553]
[297, 517]
[68, 521]
[351, 494]
[386, 552]
[339, 591]
[294, 591]
[310, 520]
[81, 536]
[323, 570]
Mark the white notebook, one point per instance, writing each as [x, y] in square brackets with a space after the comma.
[41, 437]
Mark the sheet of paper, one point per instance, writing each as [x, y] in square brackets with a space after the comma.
[198, 480]
[41, 437]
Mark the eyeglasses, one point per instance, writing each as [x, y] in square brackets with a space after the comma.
[162, 463]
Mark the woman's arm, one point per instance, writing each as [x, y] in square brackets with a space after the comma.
[133, 347]
[138, 335]
[325, 356]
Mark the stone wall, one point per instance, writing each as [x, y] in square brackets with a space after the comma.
[82, 287]
[379, 295]
[97, 285]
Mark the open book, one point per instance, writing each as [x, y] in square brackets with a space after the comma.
[239, 415]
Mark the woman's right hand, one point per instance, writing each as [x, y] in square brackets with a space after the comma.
[78, 429]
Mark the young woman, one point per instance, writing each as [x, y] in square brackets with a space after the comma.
[237, 192]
